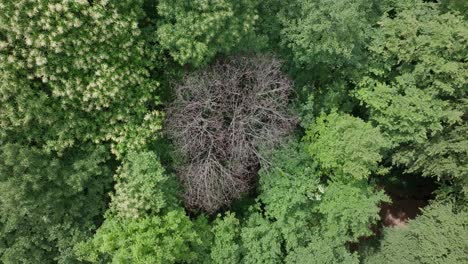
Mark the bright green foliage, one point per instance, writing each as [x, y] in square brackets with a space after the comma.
[311, 216]
[73, 71]
[290, 189]
[255, 240]
[437, 236]
[418, 71]
[195, 31]
[349, 210]
[328, 32]
[322, 251]
[48, 202]
[226, 248]
[261, 241]
[142, 188]
[346, 145]
[149, 239]
[143, 224]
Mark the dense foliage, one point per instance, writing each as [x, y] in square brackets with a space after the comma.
[233, 131]
[437, 236]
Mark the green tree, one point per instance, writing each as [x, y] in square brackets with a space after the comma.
[415, 91]
[436, 236]
[226, 248]
[48, 203]
[417, 73]
[328, 33]
[325, 42]
[455, 5]
[322, 251]
[290, 189]
[144, 223]
[297, 215]
[261, 241]
[150, 239]
[349, 209]
[195, 31]
[67, 68]
[345, 145]
[142, 187]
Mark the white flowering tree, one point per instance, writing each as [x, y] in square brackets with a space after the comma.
[73, 80]
[67, 67]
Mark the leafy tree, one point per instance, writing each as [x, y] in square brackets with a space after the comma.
[226, 248]
[349, 210]
[195, 31]
[48, 203]
[322, 251]
[445, 158]
[67, 68]
[261, 241]
[436, 236]
[142, 187]
[325, 42]
[297, 216]
[144, 223]
[415, 89]
[150, 239]
[455, 5]
[328, 33]
[290, 190]
[346, 145]
[417, 75]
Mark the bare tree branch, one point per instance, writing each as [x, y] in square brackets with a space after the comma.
[219, 118]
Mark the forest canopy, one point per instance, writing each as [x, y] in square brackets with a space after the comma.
[233, 131]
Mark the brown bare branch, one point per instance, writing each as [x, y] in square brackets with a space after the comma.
[219, 118]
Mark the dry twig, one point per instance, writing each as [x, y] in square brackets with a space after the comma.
[219, 118]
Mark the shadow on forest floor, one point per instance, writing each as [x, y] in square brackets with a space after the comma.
[408, 195]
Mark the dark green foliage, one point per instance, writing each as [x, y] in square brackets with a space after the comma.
[415, 92]
[48, 202]
[195, 31]
[437, 236]
[325, 42]
[328, 33]
[455, 6]
[445, 158]
[417, 73]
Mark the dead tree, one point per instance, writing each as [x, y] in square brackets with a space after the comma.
[219, 118]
